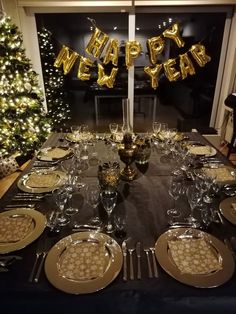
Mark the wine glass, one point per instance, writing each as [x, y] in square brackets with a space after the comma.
[175, 191]
[194, 197]
[113, 128]
[92, 194]
[156, 127]
[108, 200]
[60, 196]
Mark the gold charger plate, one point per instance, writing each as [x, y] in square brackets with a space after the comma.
[23, 185]
[227, 210]
[209, 280]
[113, 263]
[36, 229]
[44, 154]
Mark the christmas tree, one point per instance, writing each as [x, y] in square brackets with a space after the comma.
[58, 108]
[24, 124]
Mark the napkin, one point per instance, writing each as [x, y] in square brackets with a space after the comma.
[57, 152]
[43, 180]
[83, 261]
[193, 256]
[14, 228]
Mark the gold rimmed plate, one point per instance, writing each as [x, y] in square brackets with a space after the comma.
[223, 174]
[36, 228]
[41, 181]
[54, 153]
[66, 269]
[228, 210]
[204, 280]
[202, 150]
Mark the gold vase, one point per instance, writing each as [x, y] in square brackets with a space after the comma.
[127, 153]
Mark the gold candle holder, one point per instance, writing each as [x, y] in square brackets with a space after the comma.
[127, 153]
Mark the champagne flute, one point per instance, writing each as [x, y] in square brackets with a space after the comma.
[60, 197]
[108, 200]
[92, 193]
[194, 197]
[175, 190]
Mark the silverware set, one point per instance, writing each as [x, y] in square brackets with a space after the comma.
[129, 261]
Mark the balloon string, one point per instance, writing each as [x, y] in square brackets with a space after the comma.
[92, 21]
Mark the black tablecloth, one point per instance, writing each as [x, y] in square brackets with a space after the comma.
[145, 201]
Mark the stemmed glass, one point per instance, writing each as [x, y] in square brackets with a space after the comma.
[113, 128]
[92, 193]
[108, 200]
[175, 191]
[194, 197]
[60, 196]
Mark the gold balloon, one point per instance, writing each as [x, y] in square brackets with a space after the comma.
[155, 47]
[83, 69]
[66, 59]
[173, 33]
[112, 52]
[104, 79]
[153, 73]
[132, 51]
[171, 73]
[186, 65]
[199, 53]
[97, 43]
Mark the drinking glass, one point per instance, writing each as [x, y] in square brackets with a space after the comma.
[194, 198]
[92, 194]
[175, 191]
[156, 127]
[113, 128]
[109, 202]
[60, 197]
[75, 130]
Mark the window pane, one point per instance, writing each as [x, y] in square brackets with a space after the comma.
[89, 102]
[185, 103]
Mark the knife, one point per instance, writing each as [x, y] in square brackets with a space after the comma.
[138, 253]
[124, 250]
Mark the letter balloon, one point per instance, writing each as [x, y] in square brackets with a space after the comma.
[112, 52]
[66, 59]
[83, 69]
[173, 33]
[186, 65]
[155, 47]
[171, 73]
[132, 51]
[97, 43]
[199, 54]
[153, 73]
[104, 79]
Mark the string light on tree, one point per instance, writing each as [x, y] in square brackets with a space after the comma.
[24, 125]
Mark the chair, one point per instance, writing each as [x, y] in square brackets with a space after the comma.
[230, 101]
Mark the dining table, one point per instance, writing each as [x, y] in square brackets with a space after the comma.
[143, 202]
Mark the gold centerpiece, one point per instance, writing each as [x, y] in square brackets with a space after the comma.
[127, 153]
[109, 176]
[143, 149]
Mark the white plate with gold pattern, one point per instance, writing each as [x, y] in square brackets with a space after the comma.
[194, 257]
[221, 173]
[19, 227]
[202, 150]
[228, 209]
[41, 181]
[83, 262]
[54, 153]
